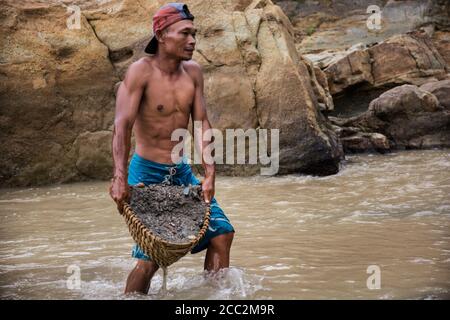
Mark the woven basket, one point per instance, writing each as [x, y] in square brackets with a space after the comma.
[162, 252]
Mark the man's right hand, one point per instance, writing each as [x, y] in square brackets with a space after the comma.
[119, 191]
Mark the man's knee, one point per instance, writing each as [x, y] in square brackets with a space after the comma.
[222, 242]
[229, 237]
[146, 267]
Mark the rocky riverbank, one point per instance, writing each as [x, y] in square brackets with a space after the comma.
[390, 86]
[309, 68]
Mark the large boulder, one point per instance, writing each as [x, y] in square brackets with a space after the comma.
[441, 90]
[56, 83]
[420, 61]
[441, 40]
[378, 66]
[285, 100]
[92, 151]
[409, 116]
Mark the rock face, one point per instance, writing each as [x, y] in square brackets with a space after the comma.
[360, 60]
[378, 66]
[441, 90]
[409, 116]
[93, 153]
[441, 40]
[361, 63]
[56, 83]
[306, 144]
[336, 25]
[365, 142]
[62, 80]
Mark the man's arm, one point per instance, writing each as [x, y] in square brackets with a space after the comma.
[128, 100]
[199, 114]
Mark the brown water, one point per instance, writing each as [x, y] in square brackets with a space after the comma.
[298, 237]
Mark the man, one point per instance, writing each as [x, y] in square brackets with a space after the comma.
[157, 96]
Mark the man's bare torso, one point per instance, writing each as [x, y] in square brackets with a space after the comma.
[166, 105]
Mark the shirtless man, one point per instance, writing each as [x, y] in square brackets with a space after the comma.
[157, 96]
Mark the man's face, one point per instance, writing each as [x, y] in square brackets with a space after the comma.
[179, 39]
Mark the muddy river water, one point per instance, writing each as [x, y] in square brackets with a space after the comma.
[379, 229]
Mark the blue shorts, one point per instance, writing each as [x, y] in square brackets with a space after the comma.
[150, 172]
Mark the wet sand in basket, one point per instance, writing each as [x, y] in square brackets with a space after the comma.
[173, 213]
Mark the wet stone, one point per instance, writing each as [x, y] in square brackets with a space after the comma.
[173, 213]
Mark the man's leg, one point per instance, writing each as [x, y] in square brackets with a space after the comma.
[218, 252]
[140, 277]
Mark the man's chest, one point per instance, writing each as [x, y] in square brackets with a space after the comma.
[164, 97]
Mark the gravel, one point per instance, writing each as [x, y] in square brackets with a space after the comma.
[174, 213]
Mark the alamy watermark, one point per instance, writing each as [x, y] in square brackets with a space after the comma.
[374, 20]
[73, 282]
[259, 146]
[73, 22]
[374, 280]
